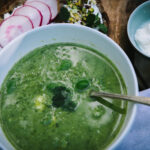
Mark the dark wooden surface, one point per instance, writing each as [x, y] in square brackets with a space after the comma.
[118, 12]
[8, 6]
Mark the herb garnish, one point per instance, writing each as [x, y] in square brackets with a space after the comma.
[63, 15]
[82, 12]
[93, 21]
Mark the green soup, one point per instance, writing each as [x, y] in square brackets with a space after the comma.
[45, 102]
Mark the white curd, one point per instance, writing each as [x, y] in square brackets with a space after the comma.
[142, 38]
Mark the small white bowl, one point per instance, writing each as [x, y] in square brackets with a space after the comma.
[75, 34]
[139, 17]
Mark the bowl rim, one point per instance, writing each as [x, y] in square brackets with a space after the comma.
[118, 140]
[129, 23]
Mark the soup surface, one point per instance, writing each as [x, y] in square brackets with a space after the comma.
[45, 102]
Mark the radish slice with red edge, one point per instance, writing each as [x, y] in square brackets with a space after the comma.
[53, 4]
[44, 9]
[12, 27]
[33, 13]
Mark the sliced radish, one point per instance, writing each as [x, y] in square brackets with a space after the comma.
[12, 27]
[44, 9]
[53, 4]
[29, 11]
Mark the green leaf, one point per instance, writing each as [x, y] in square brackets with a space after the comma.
[93, 21]
[97, 20]
[90, 20]
[103, 28]
[63, 15]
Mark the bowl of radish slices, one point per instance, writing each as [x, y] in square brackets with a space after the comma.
[30, 15]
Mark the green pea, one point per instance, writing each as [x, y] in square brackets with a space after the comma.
[82, 85]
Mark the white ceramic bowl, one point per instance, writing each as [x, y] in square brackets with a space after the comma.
[77, 34]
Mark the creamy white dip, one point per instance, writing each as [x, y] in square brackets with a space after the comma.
[142, 38]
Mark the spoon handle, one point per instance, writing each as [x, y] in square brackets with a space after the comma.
[138, 99]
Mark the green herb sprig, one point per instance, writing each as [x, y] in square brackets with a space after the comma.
[78, 11]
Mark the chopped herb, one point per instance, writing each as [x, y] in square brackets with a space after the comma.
[61, 94]
[82, 12]
[62, 98]
[103, 28]
[63, 15]
[51, 86]
[82, 85]
[94, 22]
[65, 65]
[97, 20]
[11, 86]
[90, 20]
[46, 122]
[70, 105]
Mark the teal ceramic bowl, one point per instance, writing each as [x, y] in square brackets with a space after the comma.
[139, 17]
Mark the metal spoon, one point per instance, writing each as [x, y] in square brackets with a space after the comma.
[137, 99]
